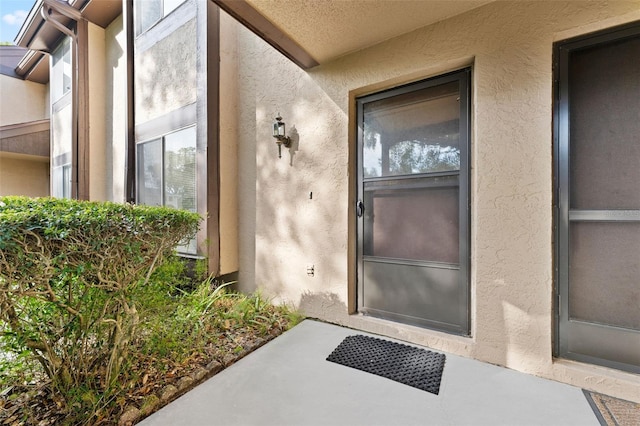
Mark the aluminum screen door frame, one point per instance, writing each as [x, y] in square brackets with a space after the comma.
[582, 340]
[452, 314]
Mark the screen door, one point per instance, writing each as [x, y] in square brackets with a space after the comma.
[598, 202]
[413, 203]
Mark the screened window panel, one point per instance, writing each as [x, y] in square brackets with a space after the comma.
[61, 152]
[412, 133]
[180, 169]
[67, 71]
[605, 126]
[180, 175]
[604, 270]
[391, 216]
[57, 180]
[150, 173]
[56, 72]
[61, 71]
[61, 181]
[167, 174]
[147, 13]
[61, 123]
[66, 181]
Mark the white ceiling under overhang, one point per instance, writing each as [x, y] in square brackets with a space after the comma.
[328, 29]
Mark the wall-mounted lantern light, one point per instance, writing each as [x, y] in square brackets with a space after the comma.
[279, 133]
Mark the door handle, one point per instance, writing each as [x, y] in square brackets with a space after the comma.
[359, 208]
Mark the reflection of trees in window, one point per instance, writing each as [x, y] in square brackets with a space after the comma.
[427, 149]
[180, 178]
[151, 178]
[167, 174]
[416, 156]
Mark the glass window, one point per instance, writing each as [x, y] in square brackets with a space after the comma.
[61, 72]
[61, 181]
[180, 169]
[166, 174]
[150, 173]
[411, 133]
[61, 151]
[148, 12]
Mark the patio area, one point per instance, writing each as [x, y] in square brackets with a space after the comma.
[289, 382]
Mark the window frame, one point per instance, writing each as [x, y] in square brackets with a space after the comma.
[63, 173]
[64, 46]
[163, 15]
[162, 139]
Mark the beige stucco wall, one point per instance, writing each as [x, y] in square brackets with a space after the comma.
[116, 104]
[26, 175]
[228, 152]
[509, 45]
[98, 87]
[165, 74]
[22, 101]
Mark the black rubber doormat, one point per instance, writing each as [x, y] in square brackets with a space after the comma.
[405, 364]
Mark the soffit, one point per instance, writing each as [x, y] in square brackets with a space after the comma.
[37, 34]
[327, 29]
[100, 12]
[34, 66]
[10, 56]
[42, 37]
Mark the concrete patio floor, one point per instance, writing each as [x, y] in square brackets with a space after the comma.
[289, 382]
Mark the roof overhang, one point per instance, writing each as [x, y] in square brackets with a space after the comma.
[42, 37]
[316, 32]
[34, 66]
[308, 32]
[30, 138]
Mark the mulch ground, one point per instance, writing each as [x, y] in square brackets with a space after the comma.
[36, 405]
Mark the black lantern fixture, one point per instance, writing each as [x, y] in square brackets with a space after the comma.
[280, 134]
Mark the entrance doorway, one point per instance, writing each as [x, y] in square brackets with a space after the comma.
[597, 149]
[413, 203]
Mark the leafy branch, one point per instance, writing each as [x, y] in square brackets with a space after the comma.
[68, 271]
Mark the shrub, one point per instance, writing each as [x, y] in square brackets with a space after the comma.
[68, 274]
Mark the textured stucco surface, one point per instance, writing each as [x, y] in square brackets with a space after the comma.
[22, 101]
[115, 117]
[165, 76]
[509, 45]
[22, 175]
[228, 137]
[98, 87]
[332, 28]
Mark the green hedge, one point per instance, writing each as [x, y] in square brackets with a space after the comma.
[67, 273]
